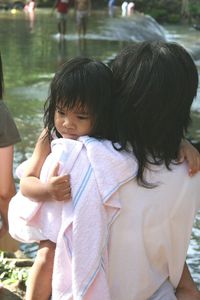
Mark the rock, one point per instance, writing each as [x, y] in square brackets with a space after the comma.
[8, 254]
[137, 28]
[196, 26]
[6, 294]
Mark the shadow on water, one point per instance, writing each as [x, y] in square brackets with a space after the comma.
[31, 57]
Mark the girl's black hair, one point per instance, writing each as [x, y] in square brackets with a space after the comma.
[1, 79]
[87, 83]
[155, 84]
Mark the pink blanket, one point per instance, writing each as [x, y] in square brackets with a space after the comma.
[81, 227]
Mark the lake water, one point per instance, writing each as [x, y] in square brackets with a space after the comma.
[31, 52]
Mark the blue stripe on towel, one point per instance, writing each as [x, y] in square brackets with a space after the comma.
[89, 140]
[68, 246]
[117, 186]
[90, 280]
[103, 264]
[82, 186]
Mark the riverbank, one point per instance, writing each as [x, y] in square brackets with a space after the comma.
[14, 270]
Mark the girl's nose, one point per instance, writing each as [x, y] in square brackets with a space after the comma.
[68, 123]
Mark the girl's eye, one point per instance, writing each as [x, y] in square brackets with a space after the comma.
[60, 112]
[82, 117]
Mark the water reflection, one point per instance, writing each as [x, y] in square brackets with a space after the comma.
[62, 51]
[82, 46]
[31, 58]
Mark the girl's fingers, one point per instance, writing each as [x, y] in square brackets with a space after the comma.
[194, 167]
[64, 194]
[65, 179]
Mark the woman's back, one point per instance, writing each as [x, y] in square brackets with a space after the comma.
[149, 239]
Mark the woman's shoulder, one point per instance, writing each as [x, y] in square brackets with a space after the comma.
[4, 111]
[9, 134]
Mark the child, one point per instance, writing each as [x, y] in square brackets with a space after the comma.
[62, 8]
[40, 193]
[111, 8]
[78, 105]
[83, 10]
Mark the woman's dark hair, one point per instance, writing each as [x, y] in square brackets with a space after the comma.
[155, 84]
[87, 83]
[1, 78]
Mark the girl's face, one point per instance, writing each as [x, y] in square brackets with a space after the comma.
[73, 123]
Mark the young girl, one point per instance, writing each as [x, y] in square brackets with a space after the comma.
[63, 109]
[79, 104]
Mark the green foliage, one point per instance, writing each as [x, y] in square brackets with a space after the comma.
[158, 14]
[168, 11]
[195, 10]
[9, 273]
[174, 18]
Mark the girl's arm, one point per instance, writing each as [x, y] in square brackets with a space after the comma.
[187, 289]
[56, 188]
[7, 185]
[190, 153]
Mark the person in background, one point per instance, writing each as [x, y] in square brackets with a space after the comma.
[83, 11]
[124, 8]
[62, 8]
[111, 8]
[30, 6]
[130, 9]
[9, 136]
[29, 9]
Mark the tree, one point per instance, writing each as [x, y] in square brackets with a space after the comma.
[185, 10]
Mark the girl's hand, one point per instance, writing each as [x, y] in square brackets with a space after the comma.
[190, 153]
[58, 187]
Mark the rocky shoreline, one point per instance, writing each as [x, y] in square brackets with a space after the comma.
[14, 269]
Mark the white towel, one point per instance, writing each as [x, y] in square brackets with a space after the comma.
[31, 221]
[96, 170]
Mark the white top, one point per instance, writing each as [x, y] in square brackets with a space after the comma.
[149, 239]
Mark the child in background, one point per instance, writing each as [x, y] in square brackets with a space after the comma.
[111, 8]
[130, 9]
[62, 8]
[83, 11]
